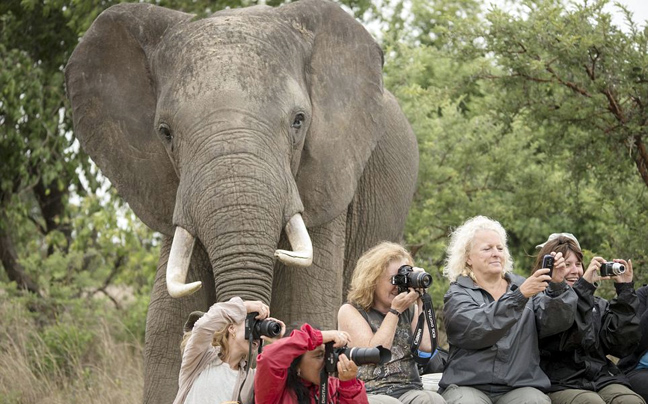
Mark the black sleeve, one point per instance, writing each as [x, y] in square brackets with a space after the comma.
[554, 309]
[619, 332]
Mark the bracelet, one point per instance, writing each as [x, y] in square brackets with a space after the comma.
[394, 311]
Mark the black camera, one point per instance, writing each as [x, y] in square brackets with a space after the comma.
[254, 328]
[612, 269]
[406, 278]
[359, 356]
[548, 262]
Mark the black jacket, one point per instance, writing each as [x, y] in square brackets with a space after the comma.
[494, 344]
[630, 362]
[576, 358]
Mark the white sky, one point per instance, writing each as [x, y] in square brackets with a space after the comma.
[638, 7]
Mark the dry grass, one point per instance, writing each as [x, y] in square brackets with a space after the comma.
[63, 363]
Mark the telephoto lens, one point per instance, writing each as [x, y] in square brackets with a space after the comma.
[362, 356]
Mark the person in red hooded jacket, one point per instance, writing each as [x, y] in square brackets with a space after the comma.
[288, 370]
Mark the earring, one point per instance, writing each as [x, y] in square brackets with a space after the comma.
[299, 372]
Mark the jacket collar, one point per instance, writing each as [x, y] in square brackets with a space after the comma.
[511, 279]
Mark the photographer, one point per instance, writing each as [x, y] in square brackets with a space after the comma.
[377, 314]
[494, 318]
[289, 370]
[215, 354]
[575, 360]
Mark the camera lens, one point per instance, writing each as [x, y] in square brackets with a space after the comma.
[269, 328]
[612, 269]
[420, 280]
[617, 268]
[362, 356]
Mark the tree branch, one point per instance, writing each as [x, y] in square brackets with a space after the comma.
[641, 158]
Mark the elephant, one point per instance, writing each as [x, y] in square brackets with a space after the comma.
[260, 142]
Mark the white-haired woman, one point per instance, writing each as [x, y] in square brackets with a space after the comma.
[494, 318]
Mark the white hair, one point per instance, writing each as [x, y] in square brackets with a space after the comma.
[461, 242]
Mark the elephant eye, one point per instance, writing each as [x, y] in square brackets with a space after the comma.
[165, 132]
[298, 121]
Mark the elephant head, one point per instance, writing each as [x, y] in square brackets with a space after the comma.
[239, 123]
[229, 132]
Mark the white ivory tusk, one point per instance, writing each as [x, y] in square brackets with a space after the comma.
[302, 253]
[178, 264]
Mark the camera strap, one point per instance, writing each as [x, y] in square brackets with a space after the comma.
[323, 386]
[426, 316]
[247, 370]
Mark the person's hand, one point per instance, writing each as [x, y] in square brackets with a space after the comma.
[347, 369]
[559, 268]
[536, 283]
[404, 300]
[627, 276]
[252, 306]
[281, 334]
[339, 338]
[592, 273]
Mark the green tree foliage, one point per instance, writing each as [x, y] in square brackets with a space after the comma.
[532, 153]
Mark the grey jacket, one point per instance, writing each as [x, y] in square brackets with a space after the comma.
[494, 344]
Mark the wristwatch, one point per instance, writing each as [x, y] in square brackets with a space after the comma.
[394, 311]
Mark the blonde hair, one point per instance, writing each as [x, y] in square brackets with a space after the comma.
[461, 242]
[369, 268]
[219, 340]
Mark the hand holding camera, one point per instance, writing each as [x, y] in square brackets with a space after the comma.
[621, 269]
[262, 309]
[339, 338]
[600, 269]
[536, 283]
[347, 369]
[555, 262]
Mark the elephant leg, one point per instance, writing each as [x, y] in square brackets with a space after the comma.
[164, 323]
[379, 209]
[313, 294]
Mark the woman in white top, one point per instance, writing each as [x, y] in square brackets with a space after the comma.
[215, 354]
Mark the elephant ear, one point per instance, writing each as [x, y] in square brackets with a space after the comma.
[346, 90]
[113, 97]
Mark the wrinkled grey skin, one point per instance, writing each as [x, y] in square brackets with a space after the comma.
[191, 120]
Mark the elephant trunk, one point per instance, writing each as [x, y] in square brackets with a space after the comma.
[183, 244]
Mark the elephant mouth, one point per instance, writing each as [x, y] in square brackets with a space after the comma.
[183, 243]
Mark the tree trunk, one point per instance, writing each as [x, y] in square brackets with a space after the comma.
[9, 259]
[50, 199]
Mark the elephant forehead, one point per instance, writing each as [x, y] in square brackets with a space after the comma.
[235, 47]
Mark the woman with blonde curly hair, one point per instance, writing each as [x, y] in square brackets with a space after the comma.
[377, 314]
[493, 319]
[215, 354]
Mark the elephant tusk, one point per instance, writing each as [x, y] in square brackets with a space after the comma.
[302, 254]
[178, 265]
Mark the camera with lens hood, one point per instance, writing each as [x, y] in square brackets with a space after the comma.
[359, 356]
[406, 278]
[254, 328]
